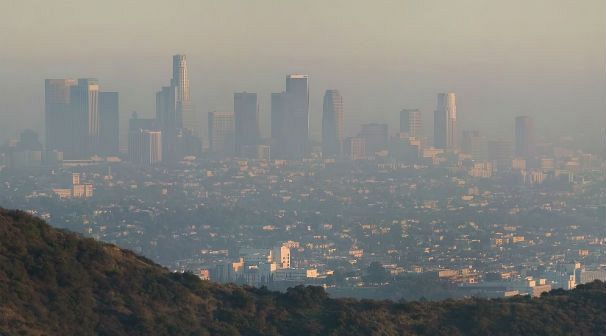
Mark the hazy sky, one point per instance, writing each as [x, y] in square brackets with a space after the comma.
[543, 58]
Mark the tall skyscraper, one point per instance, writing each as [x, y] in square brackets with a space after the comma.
[290, 119]
[525, 137]
[376, 137]
[445, 122]
[332, 124]
[410, 122]
[221, 133]
[151, 151]
[85, 109]
[176, 117]
[297, 115]
[278, 124]
[140, 140]
[57, 114]
[109, 123]
[246, 120]
[184, 107]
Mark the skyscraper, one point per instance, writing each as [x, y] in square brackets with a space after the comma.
[297, 115]
[355, 148]
[221, 133]
[445, 122]
[85, 114]
[176, 117]
[246, 120]
[57, 114]
[151, 151]
[278, 124]
[140, 141]
[410, 122]
[525, 137]
[184, 107]
[109, 123]
[332, 124]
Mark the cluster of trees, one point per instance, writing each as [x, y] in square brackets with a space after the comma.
[54, 282]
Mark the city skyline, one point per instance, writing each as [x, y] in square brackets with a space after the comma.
[540, 79]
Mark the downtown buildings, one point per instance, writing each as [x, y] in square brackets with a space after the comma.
[246, 123]
[290, 119]
[78, 116]
[177, 119]
[332, 124]
[445, 122]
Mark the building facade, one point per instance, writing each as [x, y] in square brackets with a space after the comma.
[445, 122]
[332, 124]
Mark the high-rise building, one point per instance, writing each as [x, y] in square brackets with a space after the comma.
[176, 116]
[278, 124]
[445, 122]
[57, 114]
[184, 107]
[376, 137]
[297, 115]
[332, 124]
[169, 119]
[355, 148]
[85, 113]
[525, 137]
[109, 123]
[137, 127]
[221, 133]
[151, 151]
[246, 120]
[410, 123]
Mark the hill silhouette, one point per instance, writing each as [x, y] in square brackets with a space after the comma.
[53, 282]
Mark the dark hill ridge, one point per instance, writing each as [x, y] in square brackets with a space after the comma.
[53, 282]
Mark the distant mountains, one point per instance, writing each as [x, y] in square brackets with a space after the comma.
[53, 282]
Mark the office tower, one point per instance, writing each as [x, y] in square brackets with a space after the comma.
[167, 114]
[355, 148]
[85, 113]
[169, 119]
[137, 127]
[445, 122]
[332, 124]
[297, 116]
[57, 114]
[221, 133]
[109, 123]
[410, 123]
[376, 137]
[246, 120]
[151, 151]
[176, 117]
[184, 107]
[278, 124]
[525, 137]
[474, 144]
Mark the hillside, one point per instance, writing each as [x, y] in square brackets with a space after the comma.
[53, 282]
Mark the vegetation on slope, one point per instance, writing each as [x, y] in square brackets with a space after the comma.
[53, 282]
